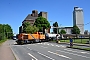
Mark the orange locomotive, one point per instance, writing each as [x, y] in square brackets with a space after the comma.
[30, 38]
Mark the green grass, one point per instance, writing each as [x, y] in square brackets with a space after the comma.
[83, 41]
[65, 41]
[1, 41]
[76, 47]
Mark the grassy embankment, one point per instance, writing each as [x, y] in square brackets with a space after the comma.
[1, 41]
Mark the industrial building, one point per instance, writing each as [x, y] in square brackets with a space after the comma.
[78, 20]
[32, 17]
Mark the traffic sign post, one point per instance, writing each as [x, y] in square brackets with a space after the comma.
[71, 42]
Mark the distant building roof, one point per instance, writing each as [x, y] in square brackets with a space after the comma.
[29, 17]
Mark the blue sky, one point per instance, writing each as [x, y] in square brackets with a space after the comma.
[13, 12]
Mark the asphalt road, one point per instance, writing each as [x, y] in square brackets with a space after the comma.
[47, 51]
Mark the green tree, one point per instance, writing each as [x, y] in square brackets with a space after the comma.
[27, 28]
[8, 31]
[1, 28]
[75, 30]
[25, 25]
[1, 32]
[1, 36]
[5, 31]
[31, 29]
[35, 29]
[42, 24]
[62, 32]
[55, 29]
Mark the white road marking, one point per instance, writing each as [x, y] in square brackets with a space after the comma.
[60, 46]
[15, 43]
[59, 55]
[32, 56]
[70, 50]
[85, 52]
[47, 44]
[57, 46]
[77, 51]
[39, 43]
[73, 54]
[46, 56]
[52, 45]
[29, 48]
[32, 59]
[44, 47]
[32, 44]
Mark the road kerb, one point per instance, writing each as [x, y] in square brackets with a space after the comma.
[14, 54]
